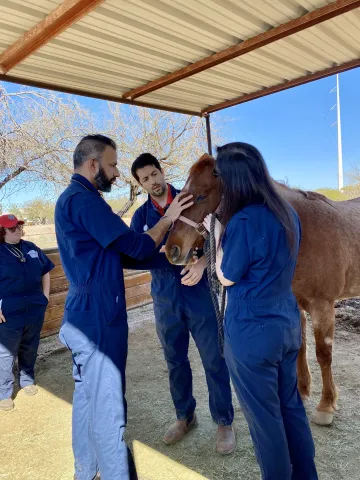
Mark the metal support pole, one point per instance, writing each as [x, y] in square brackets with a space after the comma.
[208, 134]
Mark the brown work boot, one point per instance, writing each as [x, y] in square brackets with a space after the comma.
[225, 440]
[178, 431]
[6, 404]
[30, 390]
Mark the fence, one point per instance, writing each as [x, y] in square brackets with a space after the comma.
[137, 292]
[44, 235]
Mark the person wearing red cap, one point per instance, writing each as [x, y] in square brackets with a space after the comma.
[24, 295]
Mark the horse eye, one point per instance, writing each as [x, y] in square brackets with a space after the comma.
[200, 197]
[215, 173]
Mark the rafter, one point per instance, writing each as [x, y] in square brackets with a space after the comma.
[315, 17]
[100, 96]
[66, 14]
[283, 86]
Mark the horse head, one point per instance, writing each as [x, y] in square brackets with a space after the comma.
[204, 185]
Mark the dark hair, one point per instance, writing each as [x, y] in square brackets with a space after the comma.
[2, 234]
[91, 146]
[245, 180]
[142, 161]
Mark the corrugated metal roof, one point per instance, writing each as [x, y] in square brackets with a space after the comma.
[124, 44]
[17, 17]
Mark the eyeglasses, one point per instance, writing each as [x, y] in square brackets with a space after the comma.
[13, 229]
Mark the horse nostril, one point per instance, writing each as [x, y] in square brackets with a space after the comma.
[175, 253]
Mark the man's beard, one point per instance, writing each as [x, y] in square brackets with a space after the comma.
[102, 182]
[160, 191]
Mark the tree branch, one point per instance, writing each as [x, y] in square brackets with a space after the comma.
[11, 176]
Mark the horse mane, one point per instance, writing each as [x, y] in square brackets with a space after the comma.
[307, 194]
[205, 160]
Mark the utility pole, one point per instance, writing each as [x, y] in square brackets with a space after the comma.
[340, 159]
[339, 139]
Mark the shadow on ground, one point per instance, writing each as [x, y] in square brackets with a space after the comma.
[40, 426]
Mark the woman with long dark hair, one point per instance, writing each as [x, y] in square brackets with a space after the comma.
[256, 262]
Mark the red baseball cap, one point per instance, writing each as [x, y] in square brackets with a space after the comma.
[9, 221]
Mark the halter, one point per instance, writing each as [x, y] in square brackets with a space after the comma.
[199, 227]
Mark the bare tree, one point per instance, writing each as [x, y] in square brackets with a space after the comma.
[39, 130]
[176, 140]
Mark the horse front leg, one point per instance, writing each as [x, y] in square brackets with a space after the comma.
[323, 318]
[303, 371]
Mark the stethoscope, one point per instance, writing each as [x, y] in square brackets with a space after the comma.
[88, 189]
[16, 252]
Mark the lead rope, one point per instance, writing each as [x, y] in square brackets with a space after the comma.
[216, 289]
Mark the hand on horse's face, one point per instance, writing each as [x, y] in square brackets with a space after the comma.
[193, 271]
[181, 202]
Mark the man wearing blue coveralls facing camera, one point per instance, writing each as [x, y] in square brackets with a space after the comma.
[183, 306]
[91, 239]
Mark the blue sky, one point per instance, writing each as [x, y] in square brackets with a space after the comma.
[291, 129]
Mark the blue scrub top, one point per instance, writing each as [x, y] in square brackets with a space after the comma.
[23, 302]
[257, 256]
[90, 238]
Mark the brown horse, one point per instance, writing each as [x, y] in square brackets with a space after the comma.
[328, 266]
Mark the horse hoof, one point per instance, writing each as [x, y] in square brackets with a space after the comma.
[322, 418]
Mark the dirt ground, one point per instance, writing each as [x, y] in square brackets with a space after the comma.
[35, 438]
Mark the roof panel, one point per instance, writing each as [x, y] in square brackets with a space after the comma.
[124, 44]
[18, 16]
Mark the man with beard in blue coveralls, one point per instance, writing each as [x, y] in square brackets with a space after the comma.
[91, 239]
[183, 306]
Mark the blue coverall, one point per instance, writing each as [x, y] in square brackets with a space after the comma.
[23, 305]
[262, 341]
[90, 238]
[181, 310]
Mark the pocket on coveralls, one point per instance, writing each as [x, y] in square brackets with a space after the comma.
[114, 313]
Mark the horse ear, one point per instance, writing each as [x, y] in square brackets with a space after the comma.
[203, 156]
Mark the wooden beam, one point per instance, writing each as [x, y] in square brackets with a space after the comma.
[322, 14]
[99, 96]
[67, 13]
[283, 86]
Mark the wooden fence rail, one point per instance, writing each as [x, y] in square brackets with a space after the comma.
[137, 293]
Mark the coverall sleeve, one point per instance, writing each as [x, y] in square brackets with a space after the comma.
[236, 258]
[109, 230]
[47, 264]
[156, 261]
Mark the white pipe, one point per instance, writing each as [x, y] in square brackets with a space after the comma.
[340, 159]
